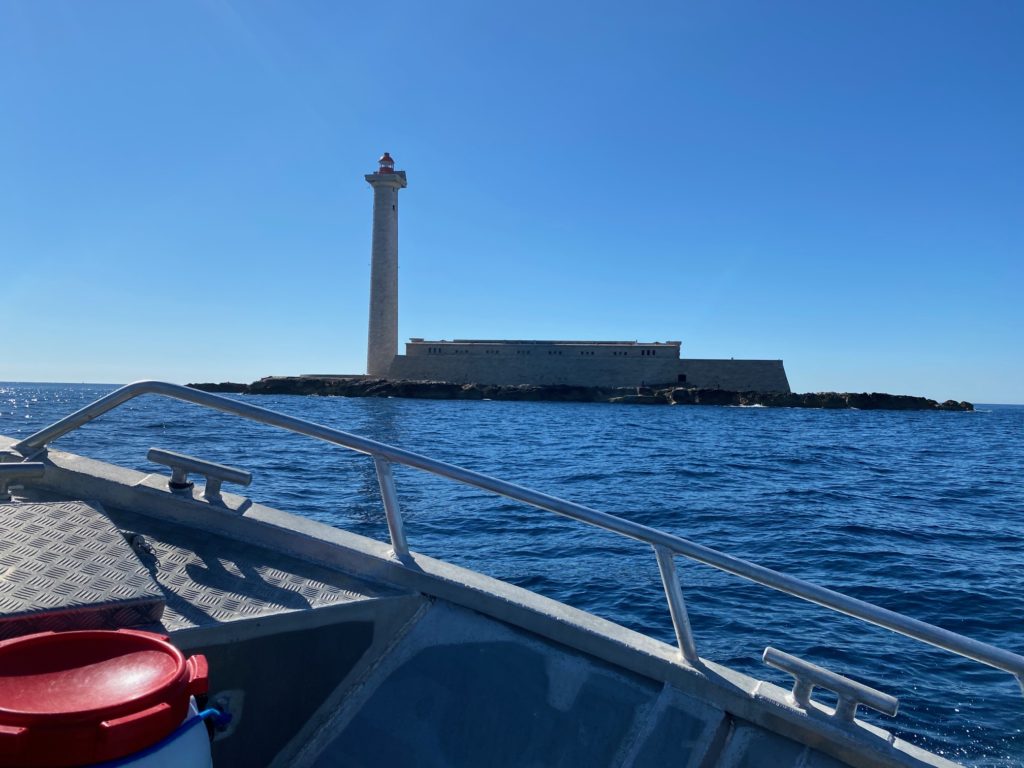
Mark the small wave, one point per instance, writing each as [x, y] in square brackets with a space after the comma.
[584, 477]
[697, 473]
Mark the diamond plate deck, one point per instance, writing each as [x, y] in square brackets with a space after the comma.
[64, 565]
[208, 579]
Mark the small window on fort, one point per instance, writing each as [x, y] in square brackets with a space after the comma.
[682, 378]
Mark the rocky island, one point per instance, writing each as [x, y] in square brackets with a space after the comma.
[363, 386]
[596, 371]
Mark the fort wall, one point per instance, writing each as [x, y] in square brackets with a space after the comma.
[735, 375]
[591, 364]
[579, 363]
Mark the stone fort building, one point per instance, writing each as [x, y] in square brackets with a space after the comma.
[511, 362]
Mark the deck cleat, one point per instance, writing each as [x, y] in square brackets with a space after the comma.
[182, 465]
[14, 473]
[850, 693]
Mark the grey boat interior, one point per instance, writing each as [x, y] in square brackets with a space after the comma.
[329, 649]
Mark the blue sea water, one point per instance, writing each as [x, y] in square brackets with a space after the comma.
[922, 513]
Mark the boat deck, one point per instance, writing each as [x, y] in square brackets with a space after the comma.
[207, 579]
[80, 565]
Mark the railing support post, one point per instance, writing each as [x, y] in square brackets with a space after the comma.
[676, 605]
[391, 509]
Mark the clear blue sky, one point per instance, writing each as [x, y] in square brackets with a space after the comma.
[840, 185]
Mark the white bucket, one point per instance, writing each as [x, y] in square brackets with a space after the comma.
[187, 747]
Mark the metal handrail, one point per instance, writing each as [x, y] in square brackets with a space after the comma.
[665, 545]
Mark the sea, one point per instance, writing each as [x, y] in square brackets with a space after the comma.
[919, 512]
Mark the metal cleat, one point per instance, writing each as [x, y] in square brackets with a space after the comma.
[13, 473]
[216, 474]
[810, 676]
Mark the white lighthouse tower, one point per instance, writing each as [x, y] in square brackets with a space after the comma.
[382, 342]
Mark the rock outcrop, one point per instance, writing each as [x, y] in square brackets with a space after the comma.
[224, 386]
[864, 401]
[362, 386]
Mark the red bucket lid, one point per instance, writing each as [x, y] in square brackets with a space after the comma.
[74, 698]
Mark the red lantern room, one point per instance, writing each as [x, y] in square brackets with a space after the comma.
[387, 165]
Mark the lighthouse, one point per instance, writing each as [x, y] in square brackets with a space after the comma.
[382, 341]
